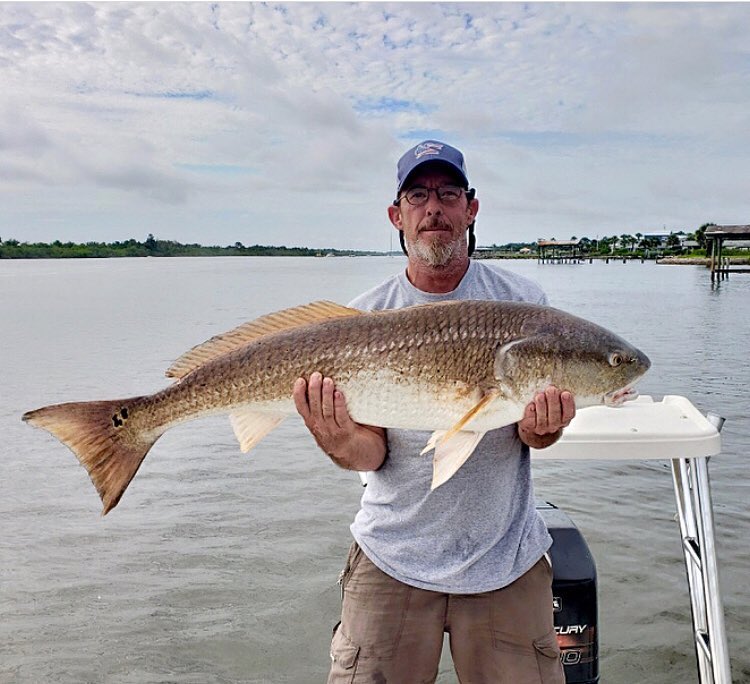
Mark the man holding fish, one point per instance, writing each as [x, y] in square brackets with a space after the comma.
[450, 353]
[468, 557]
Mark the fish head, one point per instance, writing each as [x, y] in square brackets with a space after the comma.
[594, 364]
[607, 373]
[633, 364]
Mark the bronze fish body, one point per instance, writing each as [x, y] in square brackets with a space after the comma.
[458, 369]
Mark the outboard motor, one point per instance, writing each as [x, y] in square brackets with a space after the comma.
[574, 596]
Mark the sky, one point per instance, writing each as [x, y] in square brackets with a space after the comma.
[281, 123]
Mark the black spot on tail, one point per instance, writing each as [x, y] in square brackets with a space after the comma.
[118, 420]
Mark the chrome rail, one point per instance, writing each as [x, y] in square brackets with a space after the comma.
[695, 515]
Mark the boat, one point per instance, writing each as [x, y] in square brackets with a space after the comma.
[673, 430]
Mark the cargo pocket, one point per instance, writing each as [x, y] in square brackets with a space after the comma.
[548, 659]
[344, 655]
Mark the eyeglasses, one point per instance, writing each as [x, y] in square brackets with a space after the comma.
[417, 196]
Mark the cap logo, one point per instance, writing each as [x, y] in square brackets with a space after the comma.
[427, 148]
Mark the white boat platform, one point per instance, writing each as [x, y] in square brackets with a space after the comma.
[671, 429]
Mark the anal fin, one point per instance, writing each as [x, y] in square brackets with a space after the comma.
[451, 454]
[252, 426]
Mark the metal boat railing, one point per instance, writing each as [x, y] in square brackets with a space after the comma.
[695, 516]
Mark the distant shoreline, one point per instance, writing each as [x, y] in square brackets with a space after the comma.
[152, 247]
[28, 255]
[13, 249]
[681, 261]
[669, 261]
[701, 261]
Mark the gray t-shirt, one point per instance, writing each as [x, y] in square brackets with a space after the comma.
[479, 531]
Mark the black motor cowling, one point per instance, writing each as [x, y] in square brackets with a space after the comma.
[575, 600]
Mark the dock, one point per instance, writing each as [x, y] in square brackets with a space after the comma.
[720, 266]
[559, 251]
[570, 252]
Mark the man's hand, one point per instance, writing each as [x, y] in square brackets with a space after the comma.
[323, 408]
[545, 417]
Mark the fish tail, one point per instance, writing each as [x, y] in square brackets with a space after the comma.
[99, 433]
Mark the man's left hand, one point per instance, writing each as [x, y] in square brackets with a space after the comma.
[545, 417]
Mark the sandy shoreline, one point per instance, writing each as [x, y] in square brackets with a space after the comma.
[681, 261]
[699, 261]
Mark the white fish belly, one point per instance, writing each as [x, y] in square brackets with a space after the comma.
[391, 402]
[384, 400]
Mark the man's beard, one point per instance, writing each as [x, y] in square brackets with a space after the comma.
[436, 253]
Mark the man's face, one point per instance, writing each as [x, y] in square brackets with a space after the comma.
[434, 232]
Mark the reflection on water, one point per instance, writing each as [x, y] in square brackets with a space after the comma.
[221, 567]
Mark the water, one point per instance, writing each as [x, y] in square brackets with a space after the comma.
[221, 567]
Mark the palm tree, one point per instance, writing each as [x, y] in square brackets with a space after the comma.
[700, 234]
[673, 241]
[625, 240]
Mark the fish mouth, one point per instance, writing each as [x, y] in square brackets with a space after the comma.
[620, 396]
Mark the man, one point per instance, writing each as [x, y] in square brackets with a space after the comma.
[468, 558]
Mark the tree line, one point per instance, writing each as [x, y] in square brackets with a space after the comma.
[151, 246]
[635, 245]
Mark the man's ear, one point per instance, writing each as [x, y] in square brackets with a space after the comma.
[394, 214]
[472, 209]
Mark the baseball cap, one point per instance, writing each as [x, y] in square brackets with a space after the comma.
[430, 151]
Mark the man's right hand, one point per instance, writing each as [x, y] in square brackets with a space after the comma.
[323, 408]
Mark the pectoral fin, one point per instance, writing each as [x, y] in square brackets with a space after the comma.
[440, 436]
[250, 427]
[451, 454]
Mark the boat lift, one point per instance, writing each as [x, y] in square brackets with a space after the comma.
[672, 429]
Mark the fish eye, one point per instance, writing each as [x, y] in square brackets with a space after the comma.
[615, 359]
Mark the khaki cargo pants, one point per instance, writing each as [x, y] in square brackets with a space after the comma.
[393, 633]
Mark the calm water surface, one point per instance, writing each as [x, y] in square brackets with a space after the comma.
[221, 567]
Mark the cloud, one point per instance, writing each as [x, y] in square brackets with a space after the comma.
[40, 153]
[21, 135]
[286, 120]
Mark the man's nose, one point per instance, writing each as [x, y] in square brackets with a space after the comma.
[433, 204]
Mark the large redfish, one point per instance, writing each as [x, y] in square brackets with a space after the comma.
[456, 368]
